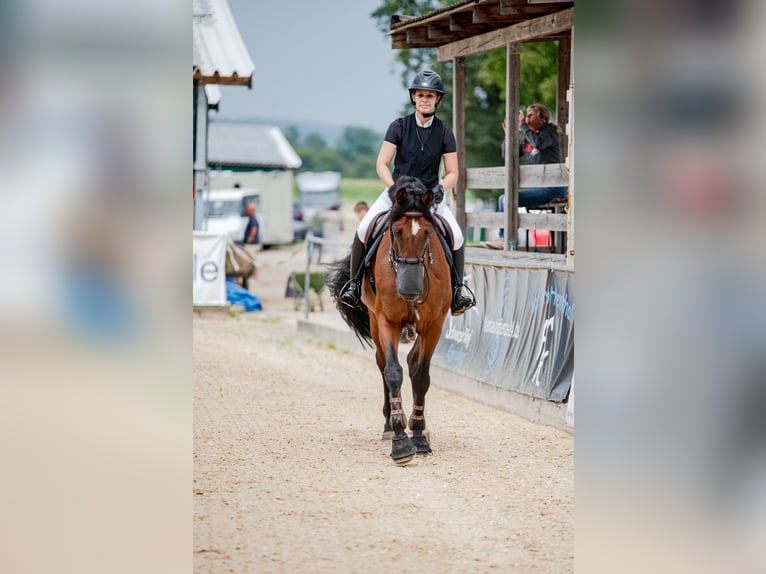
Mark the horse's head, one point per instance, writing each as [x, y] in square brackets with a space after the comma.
[411, 228]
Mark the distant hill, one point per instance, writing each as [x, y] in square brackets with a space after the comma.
[329, 133]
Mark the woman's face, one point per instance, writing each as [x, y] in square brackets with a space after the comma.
[425, 101]
[533, 119]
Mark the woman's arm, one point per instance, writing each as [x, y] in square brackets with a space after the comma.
[450, 170]
[385, 155]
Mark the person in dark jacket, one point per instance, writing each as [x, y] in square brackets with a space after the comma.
[418, 144]
[541, 145]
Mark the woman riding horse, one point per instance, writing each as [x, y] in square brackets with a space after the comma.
[418, 144]
[406, 287]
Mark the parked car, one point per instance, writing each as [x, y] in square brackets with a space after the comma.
[300, 226]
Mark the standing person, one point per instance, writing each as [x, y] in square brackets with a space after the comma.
[252, 232]
[361, 208]
[418, 143]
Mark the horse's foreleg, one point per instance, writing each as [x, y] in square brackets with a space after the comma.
[388, 430]
[402, 449]
[419, 363]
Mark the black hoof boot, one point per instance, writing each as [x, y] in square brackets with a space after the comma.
[402, 449]
[350, 294]
[421, 445]
[461, 303]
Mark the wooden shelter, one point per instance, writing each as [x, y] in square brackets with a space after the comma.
[471, 27]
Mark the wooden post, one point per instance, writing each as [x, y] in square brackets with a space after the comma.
[562, 106]
[570, 160]
[512, 147]
[458, 124]
[200, 153]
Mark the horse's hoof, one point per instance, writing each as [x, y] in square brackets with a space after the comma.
[404, 461]
[387, 435]
[422, 445]
[402, 449]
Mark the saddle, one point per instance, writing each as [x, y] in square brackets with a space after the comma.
[375, 234]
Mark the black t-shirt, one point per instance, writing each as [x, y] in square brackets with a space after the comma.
[419, 150]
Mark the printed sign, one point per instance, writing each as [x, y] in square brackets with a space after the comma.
[520, 335]
[209, 281]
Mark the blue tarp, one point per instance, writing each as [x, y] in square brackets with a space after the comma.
[237, 295]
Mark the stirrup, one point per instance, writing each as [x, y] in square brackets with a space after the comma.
[461, 303]
[349, 294]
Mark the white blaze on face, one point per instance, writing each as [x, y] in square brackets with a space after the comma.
[415, 227]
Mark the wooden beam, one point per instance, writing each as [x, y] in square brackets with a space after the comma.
[562, 106]
[437, 32]
[459, 21]
[458, 123]
[216, 78]
[507, 8]
[548, 221]
[542, 175]
[521, 32]
[511, 169]
[481, 15]
[417, 34]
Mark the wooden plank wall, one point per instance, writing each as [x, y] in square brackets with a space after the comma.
[544, 175]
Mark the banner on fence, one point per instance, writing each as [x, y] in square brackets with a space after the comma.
[209, 259]
[520, 335]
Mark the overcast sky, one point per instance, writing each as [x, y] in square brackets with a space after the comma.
[323, 62]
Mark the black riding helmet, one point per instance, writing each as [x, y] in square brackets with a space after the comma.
[427, 80]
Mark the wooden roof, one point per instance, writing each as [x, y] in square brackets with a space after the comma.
[468, 19]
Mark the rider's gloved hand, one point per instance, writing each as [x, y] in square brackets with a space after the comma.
[438, 191]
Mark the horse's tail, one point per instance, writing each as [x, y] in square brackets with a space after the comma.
[358, 318]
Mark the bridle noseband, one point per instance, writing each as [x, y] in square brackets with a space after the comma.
[395, 260]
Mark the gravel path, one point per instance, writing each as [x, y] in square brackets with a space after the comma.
[290, 474]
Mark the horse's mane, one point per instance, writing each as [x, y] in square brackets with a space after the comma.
[415, 192]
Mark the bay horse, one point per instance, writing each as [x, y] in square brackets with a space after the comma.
[406, 289]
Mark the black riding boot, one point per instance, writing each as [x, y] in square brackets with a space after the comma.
[460, 302]
[351, 291]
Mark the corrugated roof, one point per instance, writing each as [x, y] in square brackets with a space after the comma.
[219, 54]
[250, 145]
[213, 94]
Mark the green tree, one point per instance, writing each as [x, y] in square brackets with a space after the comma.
[315, 142]
[357, 142]
[293, 136]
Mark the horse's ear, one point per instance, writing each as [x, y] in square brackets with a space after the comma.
[427, 198]
[402, 196]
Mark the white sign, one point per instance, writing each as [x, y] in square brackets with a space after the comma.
[209, 263]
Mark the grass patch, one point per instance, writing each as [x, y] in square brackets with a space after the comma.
[353, 190]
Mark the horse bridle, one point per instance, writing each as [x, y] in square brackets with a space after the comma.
[394, 260]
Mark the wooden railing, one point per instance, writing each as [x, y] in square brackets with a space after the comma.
[546, 175]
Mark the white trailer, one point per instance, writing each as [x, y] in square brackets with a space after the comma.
[275, 205]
